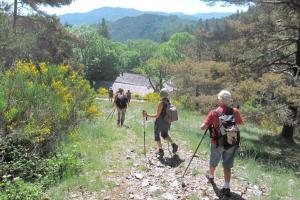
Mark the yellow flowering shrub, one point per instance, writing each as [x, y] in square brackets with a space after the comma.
[103, 91]
[39, 101]
[136, 96]
[152, 97]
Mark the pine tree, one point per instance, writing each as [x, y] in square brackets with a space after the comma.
[103, 30]
[34, 4]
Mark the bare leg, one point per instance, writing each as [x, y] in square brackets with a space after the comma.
[169, 139]
[227, 175]
[212, 170]
[159, 145]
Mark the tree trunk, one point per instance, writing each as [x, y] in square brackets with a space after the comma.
[287, 132]
[160, 80]
[15, 15]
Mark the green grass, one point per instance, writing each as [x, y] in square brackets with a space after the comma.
[265, 162]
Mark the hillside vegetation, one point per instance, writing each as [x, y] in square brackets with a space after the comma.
[114, 156]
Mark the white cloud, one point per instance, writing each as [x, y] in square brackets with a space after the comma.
[185, 6]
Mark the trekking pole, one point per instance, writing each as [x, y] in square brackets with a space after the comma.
[112, 114]
[144, 124]
[109, 114]
[183, 185]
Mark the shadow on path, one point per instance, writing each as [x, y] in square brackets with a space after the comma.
[233, 196]
[173, 161]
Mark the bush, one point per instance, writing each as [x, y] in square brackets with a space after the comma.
[137, 96]
[103, 91]
[20, 161]
[17, 189]
[39, 102]
[152, 97]
[203, 103]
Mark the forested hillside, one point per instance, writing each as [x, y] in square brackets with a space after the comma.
[148, 26]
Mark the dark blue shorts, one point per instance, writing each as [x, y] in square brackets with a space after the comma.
[161, 128]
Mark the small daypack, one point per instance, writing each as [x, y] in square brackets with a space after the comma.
[228, 134]
[171, 113]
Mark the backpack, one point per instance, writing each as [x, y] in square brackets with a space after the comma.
[228, 134]
[121, 101]
[170, 113]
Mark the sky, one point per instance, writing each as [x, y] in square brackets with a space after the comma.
[184, 6]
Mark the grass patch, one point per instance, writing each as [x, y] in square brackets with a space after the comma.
[93, 140]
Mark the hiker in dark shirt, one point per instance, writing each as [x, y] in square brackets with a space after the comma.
[121, 102]
[110, 94]
[128, 94]
[161, 127]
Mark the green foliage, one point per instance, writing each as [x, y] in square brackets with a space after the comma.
[98, 54]
[18, 189]
[43, 101]
[102, 29]
[39, 39]
[149, 26]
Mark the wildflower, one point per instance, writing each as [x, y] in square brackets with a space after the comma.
[43, 67]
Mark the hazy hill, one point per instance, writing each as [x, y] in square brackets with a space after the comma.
[113, 14]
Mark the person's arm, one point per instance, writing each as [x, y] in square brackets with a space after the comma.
[158, 111]
[237, 115]
[207, 122]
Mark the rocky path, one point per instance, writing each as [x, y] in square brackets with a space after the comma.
[150, 178]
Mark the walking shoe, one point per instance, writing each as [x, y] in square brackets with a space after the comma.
[226, 192]
[210, 179]
[161, 153]
[174, 147]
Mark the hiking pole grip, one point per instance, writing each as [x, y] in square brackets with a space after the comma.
[145, 114]
[194, 153]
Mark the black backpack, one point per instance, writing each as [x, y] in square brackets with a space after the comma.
[121, 101]
[228, 134]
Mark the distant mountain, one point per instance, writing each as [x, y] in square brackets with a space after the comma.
[114, 14]
[148, 26]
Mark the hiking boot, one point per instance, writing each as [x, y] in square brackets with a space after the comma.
[161, 153]
[174, 147]
[226, 192]
[210, 180]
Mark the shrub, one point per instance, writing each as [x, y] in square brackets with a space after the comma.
[137, 96]
[17, 189]
[20, 161]
[41, 102]
[103, 91]
[203, 103]
[152, 97]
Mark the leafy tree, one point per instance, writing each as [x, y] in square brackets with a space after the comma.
[97, 54]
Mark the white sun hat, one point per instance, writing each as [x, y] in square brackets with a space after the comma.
[164, 93]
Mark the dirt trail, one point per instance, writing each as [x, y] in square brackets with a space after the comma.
[153, 178]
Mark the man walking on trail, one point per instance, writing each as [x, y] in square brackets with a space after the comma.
[110, 94]
[128, 94]
[121, 102]
[224, 137]
[161, 127]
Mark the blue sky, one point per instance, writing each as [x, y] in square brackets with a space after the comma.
[185, 6]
